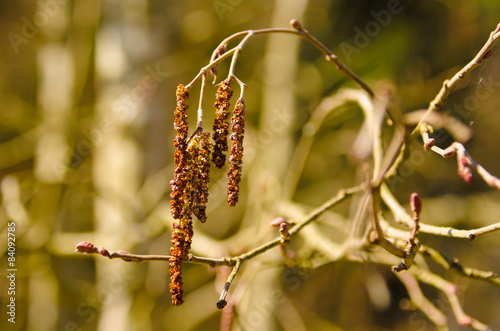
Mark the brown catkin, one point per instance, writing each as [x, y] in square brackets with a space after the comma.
[221, 125]
[201, 154]
[180, 142]
[236, 154]
[181, 202]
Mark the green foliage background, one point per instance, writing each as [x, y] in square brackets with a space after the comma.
[88, 93]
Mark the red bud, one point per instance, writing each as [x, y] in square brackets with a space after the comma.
[85, 247]
[104, 252]
[284, 229]
[429, 144]
[416, 204]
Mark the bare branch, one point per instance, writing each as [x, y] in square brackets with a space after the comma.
[454, 264]
[222, 301]
[450, 290]
[418, 298]
[450, 84]
[403, 217]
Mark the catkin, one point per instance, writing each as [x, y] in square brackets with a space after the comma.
[181, 202]
[180, 157]
[236, 154]
[201, 154]
[221, 125]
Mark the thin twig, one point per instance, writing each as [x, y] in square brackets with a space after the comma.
[222, 301]
[450, 84]
[327, 106]
[341, 196]
[381, 239]
[88, 248]
[418, 298]
[297, 30]
[237, 51]
[199, 122]
[450, 290]
[453, 264]
[332, 57]
[403, 217]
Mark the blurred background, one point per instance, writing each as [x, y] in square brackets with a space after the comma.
[86, 153]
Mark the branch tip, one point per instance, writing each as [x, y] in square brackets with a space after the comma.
[416, 204]
[86, 247]
[221, 304]
[296, 25]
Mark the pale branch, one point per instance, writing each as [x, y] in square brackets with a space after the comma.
[381, 239]
[450, 84]
[199, 121]
[86, 247]
[401, 216]
[297, 30]
[237, 52]
[327, 106]
[487, 177]
[222, 301]
[419, 299]
[411, 244]
[331, 57]
[312, 216]
[465, 163]
[454, 264]
[450, 290]
[427, 277]
[391, 156]
[446, 262]
[437, 120]
[341, 196]
[424, 129]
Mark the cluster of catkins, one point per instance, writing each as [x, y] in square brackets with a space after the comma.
[192, 166]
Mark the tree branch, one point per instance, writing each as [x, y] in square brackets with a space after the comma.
[450, 84]
[86, 247]
[450, 290]
[453, 264]
[297, 30]
[403, 217]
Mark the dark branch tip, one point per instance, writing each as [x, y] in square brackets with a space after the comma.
[221, 304]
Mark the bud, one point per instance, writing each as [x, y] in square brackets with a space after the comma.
[465, 320]
[218, 52]
[448, 154]
[104, 252]
[464, 170]
[86, 247]
[430, 142]
[486, 56]
[278, 220]
[416, 204]
[284, 230]
[296, 24]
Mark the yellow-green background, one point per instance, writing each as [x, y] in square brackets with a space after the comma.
[86, 153]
